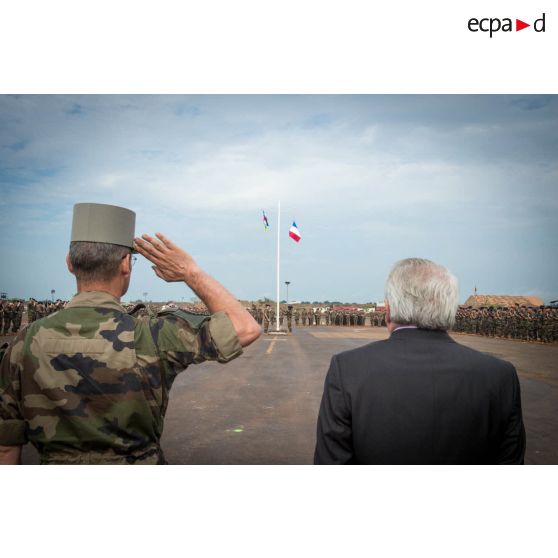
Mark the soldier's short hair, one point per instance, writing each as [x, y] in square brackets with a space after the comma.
[96, 261]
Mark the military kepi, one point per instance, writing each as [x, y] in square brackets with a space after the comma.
[96, 222]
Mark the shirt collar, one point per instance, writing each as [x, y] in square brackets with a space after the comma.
[95, 299]
[405, 327]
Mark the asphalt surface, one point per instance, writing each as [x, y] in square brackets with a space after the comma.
[262, 407]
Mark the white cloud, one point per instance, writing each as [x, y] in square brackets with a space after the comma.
[422, 174]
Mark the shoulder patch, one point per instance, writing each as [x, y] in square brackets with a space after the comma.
[195, 321]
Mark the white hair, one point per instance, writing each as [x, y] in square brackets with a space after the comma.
[422, 293]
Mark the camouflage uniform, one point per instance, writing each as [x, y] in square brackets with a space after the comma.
[90, 383]
[266, 318]
[317, 316]
[290, 318]
[40, 311]
[17, 316]
[31, 311]
[8, 317]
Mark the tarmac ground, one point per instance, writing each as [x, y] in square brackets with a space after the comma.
[262, 407]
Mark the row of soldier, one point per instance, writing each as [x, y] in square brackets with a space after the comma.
[266, 316]
[526, 323]
[11, 312]
[517, 322]
[11, 315]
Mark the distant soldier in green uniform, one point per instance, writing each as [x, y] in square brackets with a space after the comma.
[317, 316]
[90, 383]
[40, 311]
[532, 324]
[290, 318]
[303, 316]
[253, 311]
[31, 311]
[296, 316]
[17, 316]
[266, 317]
[549, 318]
[554, 328]
[8, 317]
[383, 319]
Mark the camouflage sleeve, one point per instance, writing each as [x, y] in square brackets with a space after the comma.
[12, 424]
[187, 342]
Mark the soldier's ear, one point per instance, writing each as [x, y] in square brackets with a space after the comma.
[126, 265]
[69, 264]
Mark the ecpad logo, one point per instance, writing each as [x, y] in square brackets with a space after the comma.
[493, 25]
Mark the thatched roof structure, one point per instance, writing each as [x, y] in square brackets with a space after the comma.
[476, 301]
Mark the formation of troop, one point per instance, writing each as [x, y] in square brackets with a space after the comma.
[266, 316]
[11, 313]
[526, 323]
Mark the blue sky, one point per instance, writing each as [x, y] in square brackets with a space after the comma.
[468, 181]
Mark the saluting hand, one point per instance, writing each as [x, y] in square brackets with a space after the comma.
[171, 262]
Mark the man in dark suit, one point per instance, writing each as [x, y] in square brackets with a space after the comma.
[419, 397]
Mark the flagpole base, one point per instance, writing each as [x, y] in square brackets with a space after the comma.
[277, 332]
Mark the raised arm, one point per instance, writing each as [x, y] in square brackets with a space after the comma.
[172, 264]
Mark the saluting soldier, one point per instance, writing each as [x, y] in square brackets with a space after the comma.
[90, 383]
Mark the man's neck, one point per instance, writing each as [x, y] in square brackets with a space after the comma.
[112, 290]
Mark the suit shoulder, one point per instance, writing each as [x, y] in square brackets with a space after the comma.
[366, 351]
[484, 359]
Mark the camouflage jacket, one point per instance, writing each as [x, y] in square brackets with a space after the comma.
[89, 384]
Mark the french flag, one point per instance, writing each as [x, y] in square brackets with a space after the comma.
[294, 233]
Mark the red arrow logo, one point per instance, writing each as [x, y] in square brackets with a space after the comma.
[519, 25]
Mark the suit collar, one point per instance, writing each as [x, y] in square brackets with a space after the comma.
[404, 334]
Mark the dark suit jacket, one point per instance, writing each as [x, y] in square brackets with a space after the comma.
[420, 398]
